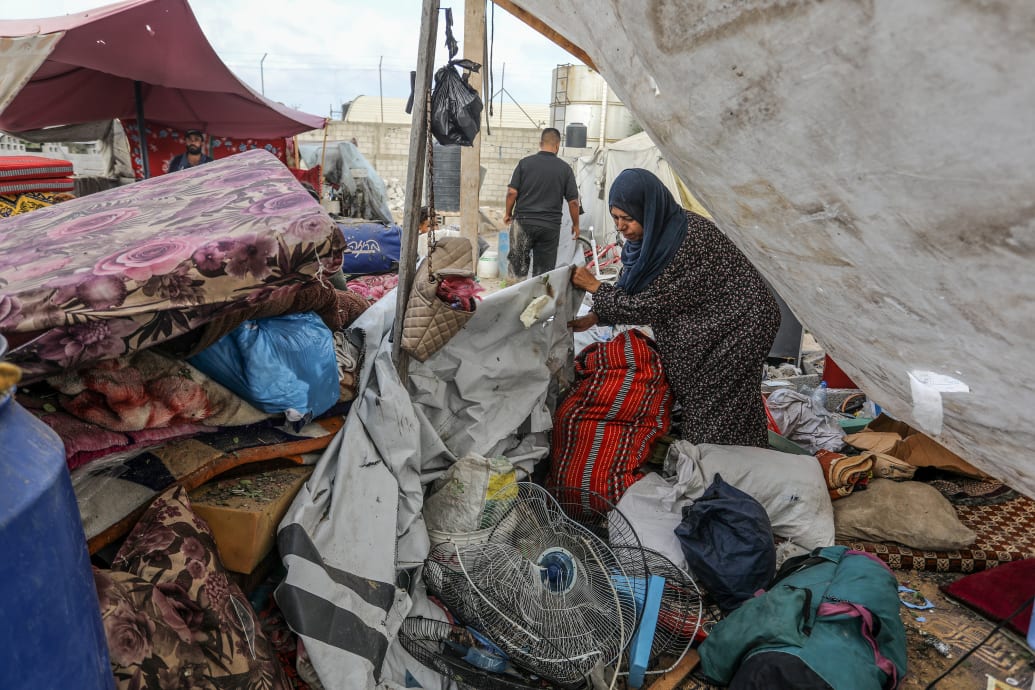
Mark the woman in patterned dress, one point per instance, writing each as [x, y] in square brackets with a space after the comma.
[713, 316]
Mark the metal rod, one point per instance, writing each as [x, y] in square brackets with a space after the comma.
[262, 73]
[138, 96]
[380, 89]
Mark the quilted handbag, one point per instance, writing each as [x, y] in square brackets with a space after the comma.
[429, 322]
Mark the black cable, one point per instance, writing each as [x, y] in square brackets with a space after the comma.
[973, 649]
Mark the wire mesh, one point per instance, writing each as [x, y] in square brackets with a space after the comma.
[440, 646]
[547, 590]
[681, 613]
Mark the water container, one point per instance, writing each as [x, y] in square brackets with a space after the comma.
[575, 135]
[52, 635]
[445, 180]
[488, 265]
[503, 251]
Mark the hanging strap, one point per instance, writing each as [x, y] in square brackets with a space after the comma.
[432, 215]
[856, 611]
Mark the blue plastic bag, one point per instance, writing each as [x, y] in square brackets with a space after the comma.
[370, 248]
[282, 364]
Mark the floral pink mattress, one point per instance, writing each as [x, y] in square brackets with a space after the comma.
[122, 270]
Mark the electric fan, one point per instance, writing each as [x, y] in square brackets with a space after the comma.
[548, 591]
[463, 655]
[680, 612]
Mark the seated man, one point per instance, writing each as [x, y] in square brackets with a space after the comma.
[193, 156]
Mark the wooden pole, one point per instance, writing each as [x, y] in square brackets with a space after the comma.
[471, 156]
[546, 31]
[414, 178]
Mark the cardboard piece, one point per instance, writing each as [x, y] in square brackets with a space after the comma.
[920, 450]
[244, 512]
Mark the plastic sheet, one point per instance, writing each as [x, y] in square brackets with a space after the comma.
[280, 364]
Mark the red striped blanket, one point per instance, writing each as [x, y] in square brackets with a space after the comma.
[605, 429]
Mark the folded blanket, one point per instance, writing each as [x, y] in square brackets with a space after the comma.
[336, 308]
[843, 473]
[149, 391]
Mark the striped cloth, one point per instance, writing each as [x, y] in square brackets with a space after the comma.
[605, 429]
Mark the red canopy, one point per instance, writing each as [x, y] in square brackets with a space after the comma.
[91, 72]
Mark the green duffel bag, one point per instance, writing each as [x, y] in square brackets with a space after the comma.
[836, 610]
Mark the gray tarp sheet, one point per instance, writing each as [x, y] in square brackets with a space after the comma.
[874, 160]
[357, 520]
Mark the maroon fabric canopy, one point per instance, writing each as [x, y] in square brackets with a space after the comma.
[91, 72]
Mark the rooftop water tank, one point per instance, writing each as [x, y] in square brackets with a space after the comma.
[575, 135]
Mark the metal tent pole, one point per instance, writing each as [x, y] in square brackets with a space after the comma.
[138, 96]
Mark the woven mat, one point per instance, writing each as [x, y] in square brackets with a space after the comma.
[1005, 533]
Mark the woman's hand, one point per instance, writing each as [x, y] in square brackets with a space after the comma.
[582, 278]
[584, 323]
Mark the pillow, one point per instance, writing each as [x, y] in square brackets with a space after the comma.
[910, 513]
[172, 616]
[149, 642]
[790, 487]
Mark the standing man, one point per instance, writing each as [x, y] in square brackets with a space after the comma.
[539, 186]
[192, 156]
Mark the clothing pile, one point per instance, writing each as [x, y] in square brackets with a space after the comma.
[176, 308]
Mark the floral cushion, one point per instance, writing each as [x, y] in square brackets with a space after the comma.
[172, 616]
[122, 270]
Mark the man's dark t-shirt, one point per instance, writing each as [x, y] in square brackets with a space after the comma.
[542, 181]
[180, 162]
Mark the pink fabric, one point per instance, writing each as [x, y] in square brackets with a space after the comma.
[854, 610]
[90, 74]
[374, 287]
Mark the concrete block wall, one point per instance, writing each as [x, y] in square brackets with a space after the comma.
[387, 148]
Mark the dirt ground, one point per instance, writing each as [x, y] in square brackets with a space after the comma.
[954, 629]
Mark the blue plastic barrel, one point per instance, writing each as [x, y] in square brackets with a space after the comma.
[51, 635]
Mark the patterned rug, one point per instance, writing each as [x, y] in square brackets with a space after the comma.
[1005, 533]
[112, 493]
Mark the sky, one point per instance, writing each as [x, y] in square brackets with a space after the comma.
[322, 53]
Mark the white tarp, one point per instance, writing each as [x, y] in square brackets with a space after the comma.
[874, 160]
[21, 57]
[595, 173]
[358, 518]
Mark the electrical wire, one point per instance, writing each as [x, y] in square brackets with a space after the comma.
[973, 649]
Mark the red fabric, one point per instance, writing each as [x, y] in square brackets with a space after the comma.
[998, 592]
[90, 75]
[605, 429]
[313, 176]
[32, 167]
[39, 184]
[770, 422]
[165, 143]
[834, 377]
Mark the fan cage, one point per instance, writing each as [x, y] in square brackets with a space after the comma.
[558, 625]
[425, 639]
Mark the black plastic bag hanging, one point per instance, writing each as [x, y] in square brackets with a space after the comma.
[456, 108]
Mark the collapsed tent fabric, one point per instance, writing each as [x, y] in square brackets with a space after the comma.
[358, 518]
[901, 236]
[90, 69]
